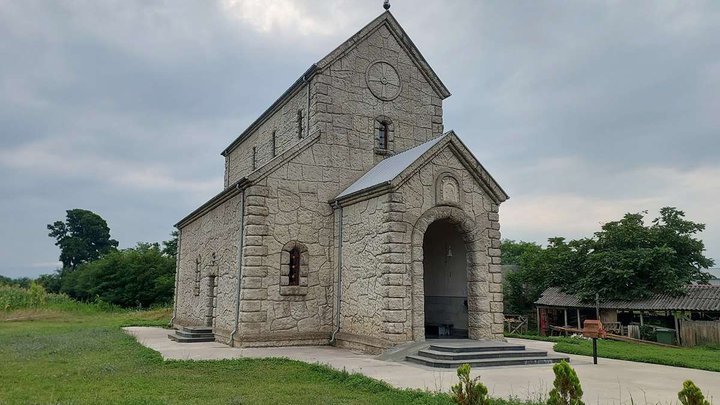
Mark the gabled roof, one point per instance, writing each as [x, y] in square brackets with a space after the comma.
[394, 170]
[698, 298]
[384, 19]
[388, 20]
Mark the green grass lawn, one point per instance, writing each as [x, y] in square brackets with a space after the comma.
[83, 357]
[702, 358]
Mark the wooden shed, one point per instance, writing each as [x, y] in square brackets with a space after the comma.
[694, 317]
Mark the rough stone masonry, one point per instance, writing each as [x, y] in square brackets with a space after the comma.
[327, 227]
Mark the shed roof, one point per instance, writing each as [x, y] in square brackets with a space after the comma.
[701, 298]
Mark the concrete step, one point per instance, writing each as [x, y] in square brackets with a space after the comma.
[494, 354]
[196, 329]
[475, 347]
[491, 362]
[182, 339]
[184, 334]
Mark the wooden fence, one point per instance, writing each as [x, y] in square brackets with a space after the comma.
[697, 333]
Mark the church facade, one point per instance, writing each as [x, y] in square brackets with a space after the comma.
[348, 215]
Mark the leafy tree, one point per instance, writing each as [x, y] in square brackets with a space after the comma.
[529, 277]
[51, 282]
[628, 259]
[22, 282]
[137, 277]
[170, 246]
[83, 237]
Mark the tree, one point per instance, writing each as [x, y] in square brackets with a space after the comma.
[83, 237]
[628, 259]
[170, 246]
[137, 277]
[529, 277]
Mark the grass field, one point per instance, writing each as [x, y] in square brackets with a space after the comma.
[52, 356]
[702, 357]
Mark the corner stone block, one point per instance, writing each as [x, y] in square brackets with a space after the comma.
[258, 190]
[258, 230]
[393, 328]
[254, 200]
[495, 287]
[394, 292]
[478, 305]
[394, 316]
[392, 279]
[257, 220]
[393, 303]
[477, 289]
[396, 197]
[253, 294]
[256, 210]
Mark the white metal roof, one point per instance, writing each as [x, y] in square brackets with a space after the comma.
[389, 168]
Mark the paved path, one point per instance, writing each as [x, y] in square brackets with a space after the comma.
[609, 382]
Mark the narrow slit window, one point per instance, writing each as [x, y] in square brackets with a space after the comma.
[294, 274]
[254, 158]
[300, 123]
[274, 144]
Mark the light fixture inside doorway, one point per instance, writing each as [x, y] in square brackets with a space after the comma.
[449, 253]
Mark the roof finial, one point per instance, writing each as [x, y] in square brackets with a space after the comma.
[386, 5]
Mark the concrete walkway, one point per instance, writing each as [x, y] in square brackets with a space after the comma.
[609, 382]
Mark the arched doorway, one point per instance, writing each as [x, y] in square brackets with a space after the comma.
[445, 281]
[474, 236]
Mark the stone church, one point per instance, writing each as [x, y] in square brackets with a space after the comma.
[348, 216]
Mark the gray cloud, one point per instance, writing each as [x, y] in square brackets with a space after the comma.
[583, 111]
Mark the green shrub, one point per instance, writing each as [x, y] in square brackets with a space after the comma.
[469, 391]
[567, 389]
[691, 395]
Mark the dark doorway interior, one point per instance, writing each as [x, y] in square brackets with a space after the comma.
[445, 281]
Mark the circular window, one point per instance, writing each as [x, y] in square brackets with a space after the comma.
[383, 80]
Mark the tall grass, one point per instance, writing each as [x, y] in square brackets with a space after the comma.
[35, 297]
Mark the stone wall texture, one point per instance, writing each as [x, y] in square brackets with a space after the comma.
[239, 162]
[211, 240]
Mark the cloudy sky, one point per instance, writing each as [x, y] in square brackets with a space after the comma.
[581, 110]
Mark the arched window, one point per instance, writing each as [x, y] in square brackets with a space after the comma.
[294, 260]
[383, 135]
[294, 271]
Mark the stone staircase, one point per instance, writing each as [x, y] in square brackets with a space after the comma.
[452, 354]
[192, 335]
